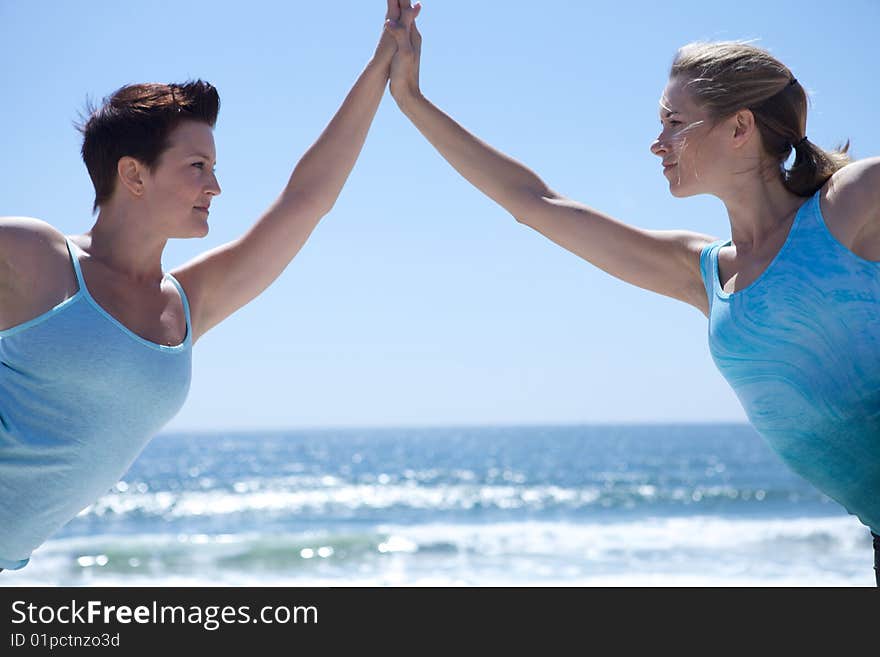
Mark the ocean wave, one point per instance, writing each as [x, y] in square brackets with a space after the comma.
[662, 551]
[332, 496]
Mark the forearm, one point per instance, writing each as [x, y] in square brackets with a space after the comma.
[320, 174]
[506, 181]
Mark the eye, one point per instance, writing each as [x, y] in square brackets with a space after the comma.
[200, 165]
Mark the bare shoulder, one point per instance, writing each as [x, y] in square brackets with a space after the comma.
[30, 250]
[689, 243]
[850, 204]
[696, 242]
[689, 246]
[35, 271]
[851, 197]
[858, 173]
[28, 234]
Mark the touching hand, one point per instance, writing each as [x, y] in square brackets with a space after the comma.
[387, 45]
[405, 63]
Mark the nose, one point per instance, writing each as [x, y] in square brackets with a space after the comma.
[658, 148]
[214, 188]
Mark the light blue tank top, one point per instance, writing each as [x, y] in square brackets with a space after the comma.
[80, 397]
[800, 346]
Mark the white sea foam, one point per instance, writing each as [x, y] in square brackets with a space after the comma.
[686, 551]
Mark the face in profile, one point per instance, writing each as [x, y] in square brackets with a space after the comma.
[687, 145]
[182, 185]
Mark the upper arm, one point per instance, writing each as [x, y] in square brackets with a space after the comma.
[663, 261]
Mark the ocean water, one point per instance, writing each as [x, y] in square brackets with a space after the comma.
[665, 505]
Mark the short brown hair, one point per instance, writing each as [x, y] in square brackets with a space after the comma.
[724, 77]
[136, 120]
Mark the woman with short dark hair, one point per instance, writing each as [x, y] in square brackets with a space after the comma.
[95, 339]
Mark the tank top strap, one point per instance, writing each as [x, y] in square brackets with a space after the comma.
[72, 249]
[814, 220]
[709, 266]
[185, 303]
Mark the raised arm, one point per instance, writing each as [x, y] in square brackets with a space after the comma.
[220, 281]
[666, 262]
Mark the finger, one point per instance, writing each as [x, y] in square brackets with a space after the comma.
[416, 39]
[403, 5]
[408, 13]
[416, 10]
[393, 10]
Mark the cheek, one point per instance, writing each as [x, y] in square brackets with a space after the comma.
[680, 148]
[688, 155]
[188, 185]
[172, 187]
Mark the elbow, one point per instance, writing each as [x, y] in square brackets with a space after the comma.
[321, 210]
[531, 205]
[521, 218]
[316, 206]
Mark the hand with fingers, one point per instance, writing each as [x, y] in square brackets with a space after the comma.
[405, 63]
[387, 43]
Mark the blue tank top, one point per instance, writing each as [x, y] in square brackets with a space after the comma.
[80, 397]
[800, 347]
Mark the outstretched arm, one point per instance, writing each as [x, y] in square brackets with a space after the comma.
[220, 281]
[666, 262]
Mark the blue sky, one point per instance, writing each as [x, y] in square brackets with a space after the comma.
[418, 301]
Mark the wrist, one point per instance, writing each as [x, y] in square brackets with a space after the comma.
[408, 99]
[379, 65]
[384, 53]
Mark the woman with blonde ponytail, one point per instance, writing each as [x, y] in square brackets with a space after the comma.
[792, 297]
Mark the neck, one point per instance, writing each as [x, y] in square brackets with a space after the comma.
[759, 208]
[122, 241]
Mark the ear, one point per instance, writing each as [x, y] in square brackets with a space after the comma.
[743, 127]
[131, 175]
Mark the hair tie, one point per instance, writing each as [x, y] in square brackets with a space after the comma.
[801, 142]
[793, 81]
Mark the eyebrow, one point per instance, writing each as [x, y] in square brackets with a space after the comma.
[668, 112]
[207, 157]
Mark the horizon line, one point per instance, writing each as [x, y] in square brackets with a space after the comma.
[404, 427]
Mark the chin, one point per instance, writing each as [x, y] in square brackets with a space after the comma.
[192, 232]
[679, 191]
[199, 229]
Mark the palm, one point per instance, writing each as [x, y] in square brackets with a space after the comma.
[387, 46]
[404, 72]
[405, 63]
